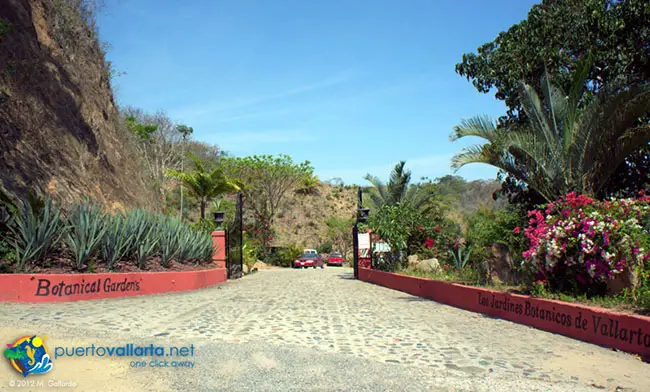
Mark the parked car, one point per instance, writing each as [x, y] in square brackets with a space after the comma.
[307, 260]
[309, 251]
[335, 258]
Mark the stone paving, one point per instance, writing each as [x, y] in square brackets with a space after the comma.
[328, 311]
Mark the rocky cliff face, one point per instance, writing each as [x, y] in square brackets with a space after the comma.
[60, 131]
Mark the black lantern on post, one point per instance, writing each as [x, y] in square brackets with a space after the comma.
[218, 219]
[362, 217]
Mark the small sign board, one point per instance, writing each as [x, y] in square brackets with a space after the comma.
[364, 240]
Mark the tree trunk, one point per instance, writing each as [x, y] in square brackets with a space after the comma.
[203, 203]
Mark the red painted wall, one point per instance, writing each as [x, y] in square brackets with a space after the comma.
[219, 243]
[630, 333]
[79, 287]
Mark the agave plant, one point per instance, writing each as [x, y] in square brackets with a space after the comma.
[86, 230]
[460, 254]
[169, 235]
[571, 142]
[117, 240]
[207, 248]
[143, 229]
[34, 233]
[185, 238]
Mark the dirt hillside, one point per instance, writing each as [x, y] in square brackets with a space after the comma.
[59, 126]
[303, 218]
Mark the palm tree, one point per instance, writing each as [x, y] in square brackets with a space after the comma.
[203, 185]
[569, 142]
[398, 190]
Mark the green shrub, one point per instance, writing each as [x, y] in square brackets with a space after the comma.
[86, 228]
[117, 240]
[325, 247]
[204, 225]
[486, 226]
[35, 231]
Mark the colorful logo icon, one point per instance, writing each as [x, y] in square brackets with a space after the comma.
[28, 355]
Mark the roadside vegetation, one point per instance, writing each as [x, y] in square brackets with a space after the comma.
[39, 235]
[572, 220]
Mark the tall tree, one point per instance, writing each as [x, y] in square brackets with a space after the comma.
[159, 144]
[569, 141]
[555, 36]
[185, 131]
[205, 186]
[338, 232]
[265, 180]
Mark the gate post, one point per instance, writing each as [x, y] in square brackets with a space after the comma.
[220, 246]
[355, 242]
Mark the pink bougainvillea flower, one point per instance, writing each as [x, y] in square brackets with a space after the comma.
[517, 230]
[438, 228]
[429, 243]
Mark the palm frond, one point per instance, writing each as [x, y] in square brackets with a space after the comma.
[480, 126]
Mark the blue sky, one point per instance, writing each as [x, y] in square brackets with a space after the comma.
[352, 86]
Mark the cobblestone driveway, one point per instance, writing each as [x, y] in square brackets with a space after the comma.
[329, 313]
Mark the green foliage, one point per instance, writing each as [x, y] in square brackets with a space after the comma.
[325, 247]
[143, 131]
[142, 226]
[204, 248]
[487, 226]
[33, 235]
[249, 257]
[554, 38]
[204, 225]
[38, 226]
[204, 185]
[185, 130]
[339, 233]
[308, 185]
[539, 289]
[407, 229]
[169, 231]
[565, 144]
[290, 254]
[398, 190]
[460, 255]
[265, 181]
[117, 240]
[86, 228]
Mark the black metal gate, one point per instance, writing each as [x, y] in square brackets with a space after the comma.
[235, 243]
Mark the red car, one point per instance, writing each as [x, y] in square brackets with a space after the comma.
[307, 260]
[335, 259]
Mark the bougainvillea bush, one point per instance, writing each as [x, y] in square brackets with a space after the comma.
[581, 245]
